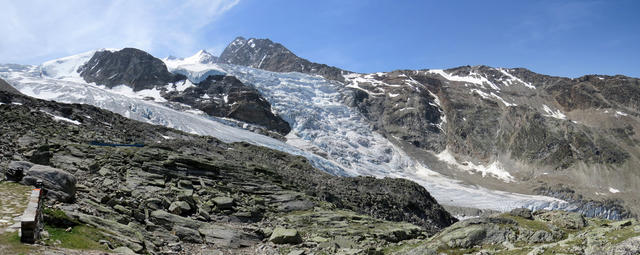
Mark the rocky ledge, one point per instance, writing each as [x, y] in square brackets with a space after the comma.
[524, 232]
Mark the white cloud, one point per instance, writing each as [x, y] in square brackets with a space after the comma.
[37, 30]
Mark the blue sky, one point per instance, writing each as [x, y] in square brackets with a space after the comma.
[564, 38]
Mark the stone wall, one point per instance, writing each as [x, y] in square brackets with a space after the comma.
[31, 222]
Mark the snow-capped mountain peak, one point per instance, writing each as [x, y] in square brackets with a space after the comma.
[201, 57]
[67, 67]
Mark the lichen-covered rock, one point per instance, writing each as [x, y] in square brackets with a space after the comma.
[285, 236]
[522, 212]
[187, 234]
[563, 219]
[179, 207]
[223, 202]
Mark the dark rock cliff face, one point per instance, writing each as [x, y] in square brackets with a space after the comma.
[226, 96]
[405, 113]
[132, 67]
[267, 55]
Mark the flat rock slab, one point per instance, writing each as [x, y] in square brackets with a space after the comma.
[285, 236]
[223, 202]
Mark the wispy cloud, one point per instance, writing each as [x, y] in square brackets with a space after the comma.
[37, 30]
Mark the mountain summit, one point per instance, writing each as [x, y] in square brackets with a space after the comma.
[268, 55]
[129, 66]
[201, 57]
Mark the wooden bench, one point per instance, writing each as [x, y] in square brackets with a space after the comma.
[31, 221]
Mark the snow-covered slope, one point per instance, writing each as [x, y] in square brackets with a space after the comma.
[67, 67]
[197, 67]
[312, 105]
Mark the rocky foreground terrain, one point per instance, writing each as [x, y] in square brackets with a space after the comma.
[181, 193]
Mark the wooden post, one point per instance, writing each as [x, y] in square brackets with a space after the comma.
[31, 222]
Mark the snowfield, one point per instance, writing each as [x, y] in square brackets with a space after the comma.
[310, 104]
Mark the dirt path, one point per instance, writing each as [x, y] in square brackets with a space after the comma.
[13, 201]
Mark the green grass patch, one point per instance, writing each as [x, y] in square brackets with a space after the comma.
[57, 218]
[529, 224]
[10, 244]
[80, 237]
[457, 251]
[617, 236]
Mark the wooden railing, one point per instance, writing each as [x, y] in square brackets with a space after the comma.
[31, 221]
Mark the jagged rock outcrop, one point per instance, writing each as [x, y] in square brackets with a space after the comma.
[4, 86]
[270, 56]
[226, 96]
[132, 67]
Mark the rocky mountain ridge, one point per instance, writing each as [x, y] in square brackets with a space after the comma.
[508, 124]
[129, 66]
[270, 56]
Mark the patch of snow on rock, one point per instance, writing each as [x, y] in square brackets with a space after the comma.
[511, 79]
[494, 169]
[60, 118]
[619, 113]
[473, 78]
[553, 114]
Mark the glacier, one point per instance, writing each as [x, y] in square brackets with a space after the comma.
[321, 125]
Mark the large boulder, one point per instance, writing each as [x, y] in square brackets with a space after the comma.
[223, 203]
[522, 212]
[16, 170]
[179, 207]
[285, 236]
[58, 184]
[187, 234]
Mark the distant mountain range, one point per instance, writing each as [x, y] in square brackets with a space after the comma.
[517, 137]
